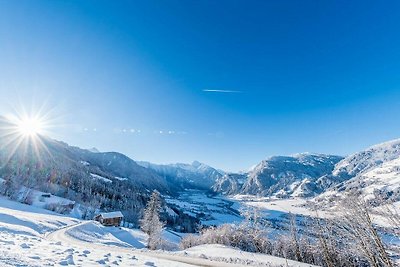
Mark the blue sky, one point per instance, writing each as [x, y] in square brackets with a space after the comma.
[142, 77]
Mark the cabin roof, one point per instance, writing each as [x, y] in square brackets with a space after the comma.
[109, 215]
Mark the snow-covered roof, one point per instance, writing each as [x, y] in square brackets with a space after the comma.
[109, 215]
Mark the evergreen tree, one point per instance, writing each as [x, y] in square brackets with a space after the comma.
[151, 224]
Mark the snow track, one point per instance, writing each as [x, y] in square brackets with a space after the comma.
[168, 259]
[34, 237]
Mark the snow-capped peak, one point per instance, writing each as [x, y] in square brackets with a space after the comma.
[367, 159]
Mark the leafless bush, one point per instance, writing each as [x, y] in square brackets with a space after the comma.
[59, 208]
[356, 227]
[239, 236]
[392, 215]
[349, 240]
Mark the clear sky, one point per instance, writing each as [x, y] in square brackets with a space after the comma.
[228, 83]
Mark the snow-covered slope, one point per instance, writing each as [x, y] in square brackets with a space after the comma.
[110, 180]
[373, 173]
[117, 165]
[284, 176]
[219, 252]
[31, 236]
[368, 159]
[49, 154]
[186, 176]
[34, 237]
[230, 183]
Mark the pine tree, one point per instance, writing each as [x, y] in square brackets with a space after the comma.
[151, 224]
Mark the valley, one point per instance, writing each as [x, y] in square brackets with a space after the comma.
[281, 193]
[34, 237]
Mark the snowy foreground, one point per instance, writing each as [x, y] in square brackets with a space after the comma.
[31, 236]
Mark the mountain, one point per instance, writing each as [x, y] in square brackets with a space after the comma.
[94, 150]
[106, 181]
[186, 176]
[300, 175]
[230, 183]
[367, 159]
[124, 168]
[111, 180]
[373, 173]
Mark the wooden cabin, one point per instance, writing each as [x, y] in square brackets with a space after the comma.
[109, 218]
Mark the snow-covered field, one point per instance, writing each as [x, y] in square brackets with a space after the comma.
[211, 210]
[216, 210]
[272, 208]
[32, 236]
[220, 252]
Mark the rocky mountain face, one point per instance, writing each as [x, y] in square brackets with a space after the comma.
[181, 176]
[368, 159]
[301, 175]
[230, 183]
[110, 180]
[373, 173]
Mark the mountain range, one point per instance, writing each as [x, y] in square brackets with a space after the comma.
[300, 175]
[186, 176]
[111, 180]
[373, 173]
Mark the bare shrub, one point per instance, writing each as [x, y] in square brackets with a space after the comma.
[357, 228]
[350, 240]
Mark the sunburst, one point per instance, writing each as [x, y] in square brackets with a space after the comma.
[24, 133]
[30, 126]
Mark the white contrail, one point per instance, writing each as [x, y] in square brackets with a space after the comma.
[220, 91]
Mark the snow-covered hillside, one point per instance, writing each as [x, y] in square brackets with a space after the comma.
[114, 165]
[373, 173]
[282, 176]
[92, 179]
[230, 183]
[209, 210]
[186, 176]
[31, 236]
[368, 159]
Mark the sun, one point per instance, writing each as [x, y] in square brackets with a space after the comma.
[26, 133]
[29, 127]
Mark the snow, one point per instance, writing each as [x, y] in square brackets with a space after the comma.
[121, 178]
[32, 236]
[109, 215]
[212, 210]
[375, 183]
[220, 253]
[33, 221]
[84, 163]
[195, 175]
[387, 176]
[42, 200]
[272, 208]
[101, 178]
[95, 232]
[282, 176]
[371, 157]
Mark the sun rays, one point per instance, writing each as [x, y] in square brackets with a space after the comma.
[24, 134]
[30, 127]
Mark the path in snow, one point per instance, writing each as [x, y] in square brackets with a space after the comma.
[62, 236]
